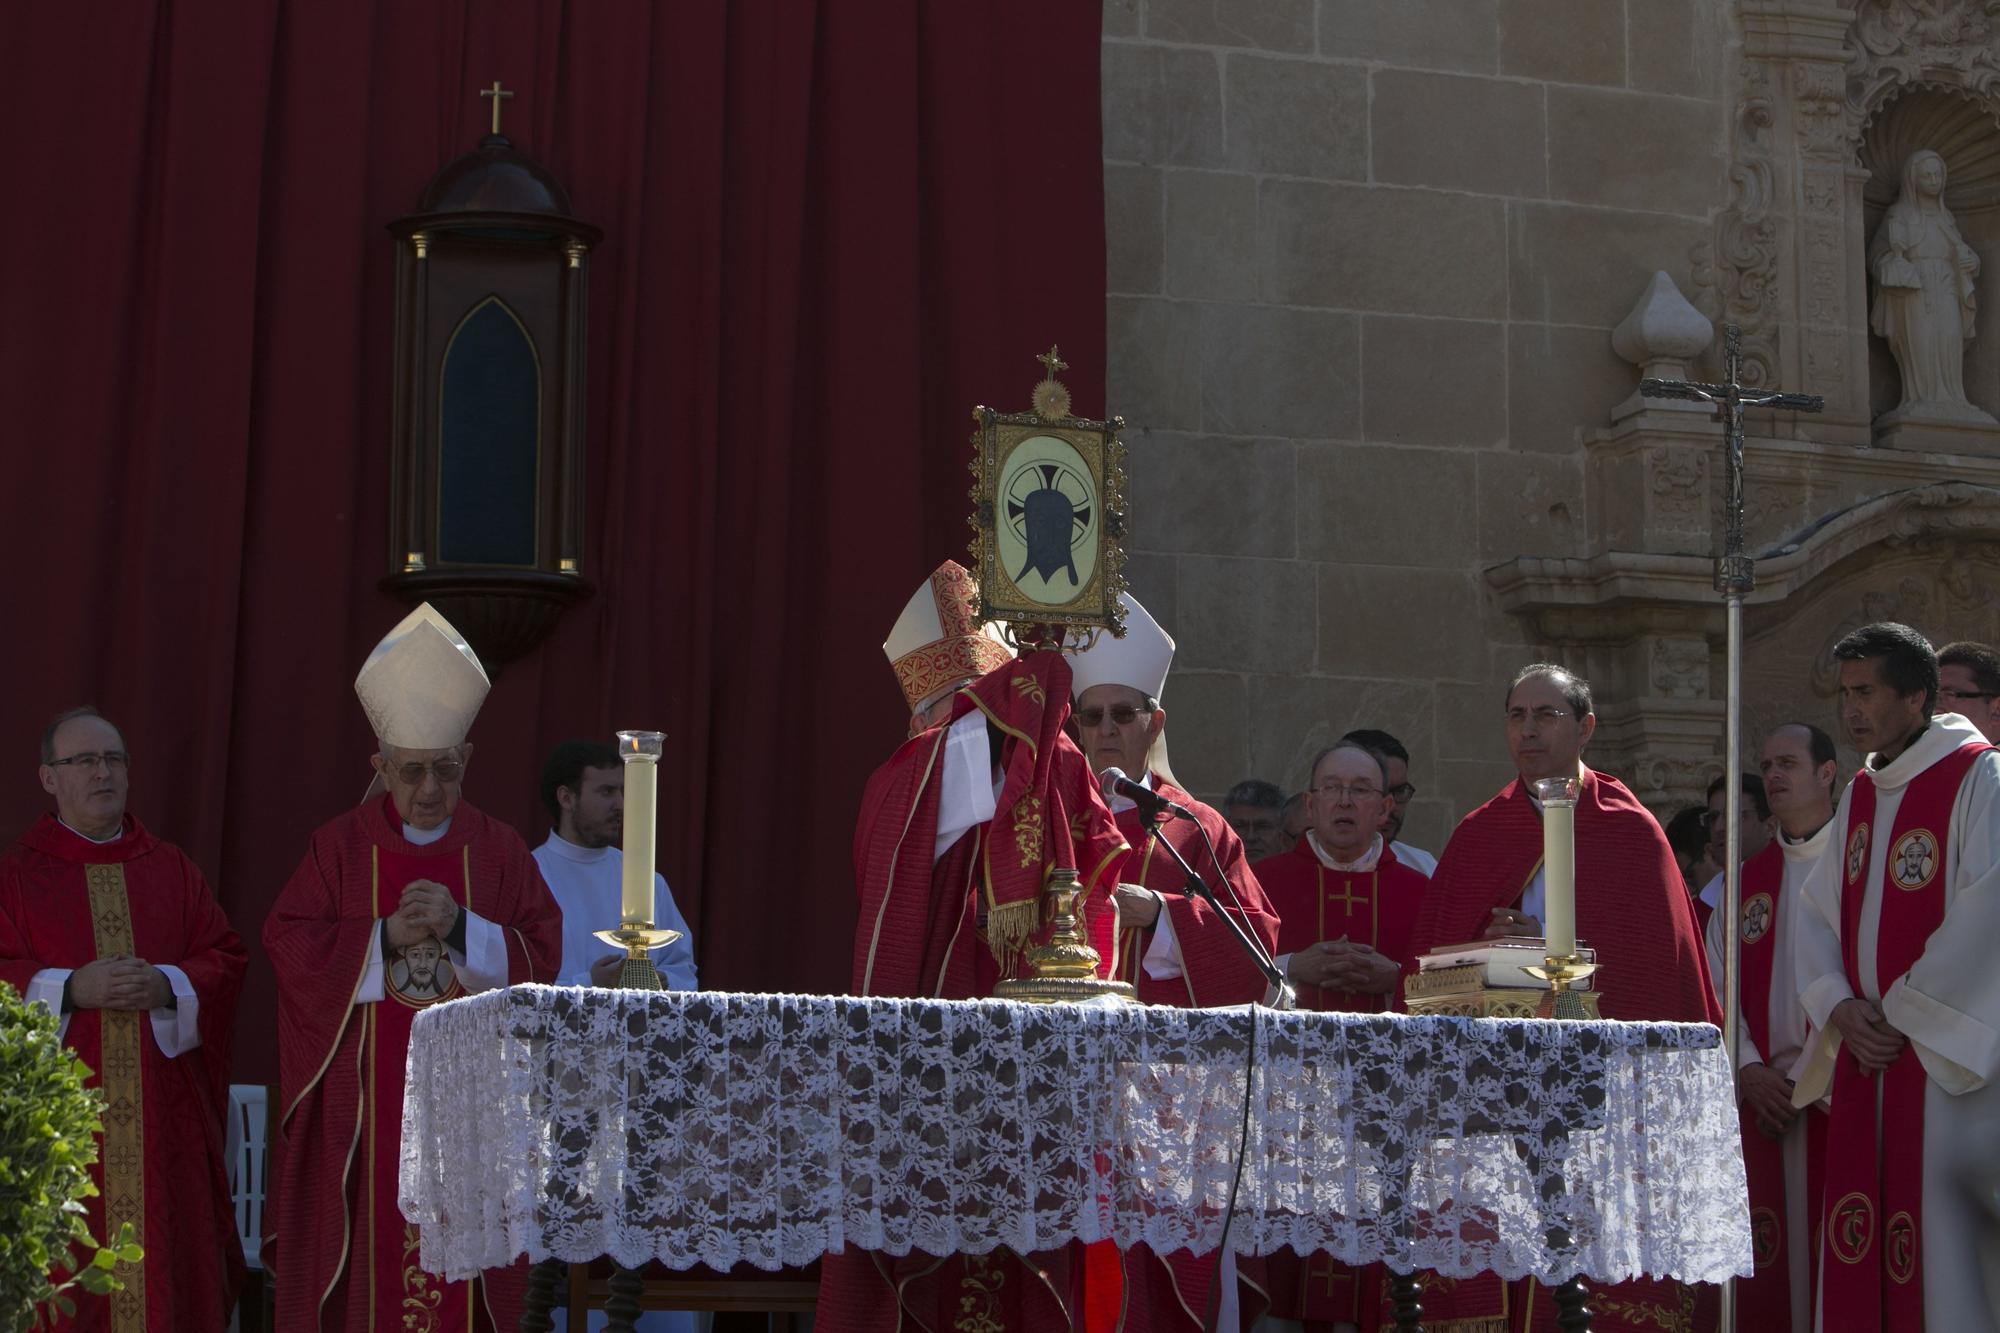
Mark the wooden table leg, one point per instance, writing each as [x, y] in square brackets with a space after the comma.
[1405, 1294]
[1572, 1306]
[545, 1279]
[621, 1306]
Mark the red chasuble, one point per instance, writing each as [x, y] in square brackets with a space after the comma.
[66, 901]
[1632, 907]
[342, 1254]
[953, 929]
[1376, 907]
[1871, 1267]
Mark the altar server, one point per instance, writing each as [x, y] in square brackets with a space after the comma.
[1896, 972]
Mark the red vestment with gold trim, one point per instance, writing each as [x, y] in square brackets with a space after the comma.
[64, 902]
[950, 927]
[340, 1251]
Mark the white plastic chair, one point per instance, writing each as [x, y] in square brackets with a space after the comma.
[244, 1148]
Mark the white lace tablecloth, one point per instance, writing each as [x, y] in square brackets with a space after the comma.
[715, 1129]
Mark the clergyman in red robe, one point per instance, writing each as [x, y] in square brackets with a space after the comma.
[1174, 947]
[117, 932]
[949, 869]
[1631, 907]
[411, 899]
[1346, 906]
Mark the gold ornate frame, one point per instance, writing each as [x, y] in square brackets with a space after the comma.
[1020, 575]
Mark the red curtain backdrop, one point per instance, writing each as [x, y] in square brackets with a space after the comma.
[830, 230]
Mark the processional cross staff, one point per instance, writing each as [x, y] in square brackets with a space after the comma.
[1735, 576]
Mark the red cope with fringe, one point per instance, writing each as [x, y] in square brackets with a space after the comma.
[1871, 1226]
[952, 928]
[1633, 908]
[194, 1261]
[338, 1248]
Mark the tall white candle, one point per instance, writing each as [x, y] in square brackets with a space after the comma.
[641, 752]
[1559, 876]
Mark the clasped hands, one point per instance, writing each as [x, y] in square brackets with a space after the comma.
[426, 909]
[1343, 965]
[1864, 1031]
[119, 982]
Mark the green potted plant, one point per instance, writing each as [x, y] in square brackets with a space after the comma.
[48, 1139]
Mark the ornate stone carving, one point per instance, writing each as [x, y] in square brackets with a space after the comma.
[1678, 482]
[1818, 97]
[1899, 42]
[1736, 275]
[1679, 668]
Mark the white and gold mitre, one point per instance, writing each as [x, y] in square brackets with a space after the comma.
[423, 684]
[1138, 661]
[938, 641]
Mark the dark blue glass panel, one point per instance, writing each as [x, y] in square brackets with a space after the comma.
[489, 428]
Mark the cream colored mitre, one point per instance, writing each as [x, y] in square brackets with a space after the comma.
[938, 642]
[423, 684]
[1138, 661]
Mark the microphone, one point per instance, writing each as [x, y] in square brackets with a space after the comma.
[1113, 782]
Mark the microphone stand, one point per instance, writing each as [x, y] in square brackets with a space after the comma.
[1197, 887]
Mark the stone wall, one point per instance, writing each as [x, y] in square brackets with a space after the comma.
[1365, 257]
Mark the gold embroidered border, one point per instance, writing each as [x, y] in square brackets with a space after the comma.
[123, 1159]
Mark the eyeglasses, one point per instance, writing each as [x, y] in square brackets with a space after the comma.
[446, 771]
[1543, 717]
[1123, 714]
[88, 761]
[1340, 791]
[1404, 791]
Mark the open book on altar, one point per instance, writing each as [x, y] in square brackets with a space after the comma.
[1492, 963]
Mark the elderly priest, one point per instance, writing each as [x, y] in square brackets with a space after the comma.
[1175, 948]
[406, 901]
[1631, 907]
[116, 931]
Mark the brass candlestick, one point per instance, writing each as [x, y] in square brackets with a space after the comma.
[1562, 972]
[1064, 969]
[638, 939]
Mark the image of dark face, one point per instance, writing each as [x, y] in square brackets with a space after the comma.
[423, 972]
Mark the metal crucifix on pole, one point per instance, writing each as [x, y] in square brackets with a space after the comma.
[1735, 576]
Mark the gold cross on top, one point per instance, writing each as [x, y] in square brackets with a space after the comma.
[497, 93]
[1053, 363]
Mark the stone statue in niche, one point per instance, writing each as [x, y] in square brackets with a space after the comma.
[1924, 301]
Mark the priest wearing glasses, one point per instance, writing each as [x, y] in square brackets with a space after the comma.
[411, 899]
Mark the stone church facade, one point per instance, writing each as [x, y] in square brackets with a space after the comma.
[1382, 287]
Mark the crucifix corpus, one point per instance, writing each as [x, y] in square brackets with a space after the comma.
[1735, 576]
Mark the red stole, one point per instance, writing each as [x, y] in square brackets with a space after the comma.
[385, 1244]
[1765, 1298]
[1871, 1223]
